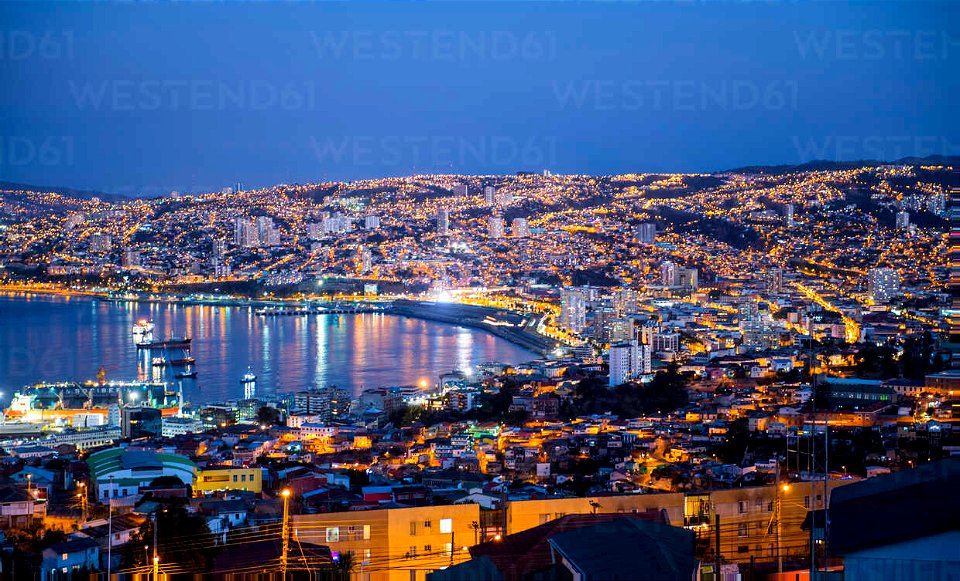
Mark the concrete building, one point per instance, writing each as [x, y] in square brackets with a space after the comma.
[573, 309]
[443, 221]
[120, 472]
[883, 284]
[495, 227]
[519, 228]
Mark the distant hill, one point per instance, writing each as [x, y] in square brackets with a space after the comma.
[73, 193]
[826, 165]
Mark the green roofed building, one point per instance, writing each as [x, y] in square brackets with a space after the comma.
[120, 472]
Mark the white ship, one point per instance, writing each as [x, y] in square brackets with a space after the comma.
[143, 332]
[249, 383]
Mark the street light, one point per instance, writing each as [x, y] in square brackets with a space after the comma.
[285, 493]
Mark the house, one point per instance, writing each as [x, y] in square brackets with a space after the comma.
[69, 558]
[626, 548]
[904, 525]
[19, 507]
[528, 554]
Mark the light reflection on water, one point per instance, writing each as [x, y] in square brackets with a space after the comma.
[52, 338]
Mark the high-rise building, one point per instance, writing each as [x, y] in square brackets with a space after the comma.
[267, 232]
[668, 274]
[489, 195]
[443, 221]
[330, 403]
[245, 233]
[789, 214]
[495, 227]
[646, 233]
[625, 302]
[620, 330]
[504, 197]
[101, 242]
[371, 222]
[364, 260]
[337, 224]
[775, 280]
[131, 258]
[903, 220]
[573, 309]
[519, 228]
[883, 284]
[627, 361]
[460, 190]
[688, 278]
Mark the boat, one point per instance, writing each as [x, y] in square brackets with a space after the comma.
[249, 383]
[143, 332]
[182, 362]
[158, 361]
[174, 343]
[50, 402]
[185, 374]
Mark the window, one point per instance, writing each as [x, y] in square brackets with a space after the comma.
[544, 518]
[412, 553]
[743, 549]
[427, 548]
[427, 524]
[742, 530]
[446, 525]
[806, 502]
[448, 548]
[413, 528]
[234, 477]
[333, 534]
[770, 506]
[759, 504]
[742, 507]
[366, 534]
[759, 527]
[243, 478]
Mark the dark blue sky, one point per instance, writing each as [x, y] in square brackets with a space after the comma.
[145, 98]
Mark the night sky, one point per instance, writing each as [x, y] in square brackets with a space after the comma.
[138, 98]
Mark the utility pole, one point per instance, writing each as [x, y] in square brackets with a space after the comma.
[83, 500]
[156, 557]
[452, 547]
[716, 526]
[109, 528]
[777, 516]
[285, 532]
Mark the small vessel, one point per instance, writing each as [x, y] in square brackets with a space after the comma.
[173, 343]
[182, 362]
[185, 374]
[249, 383]
[143, 332]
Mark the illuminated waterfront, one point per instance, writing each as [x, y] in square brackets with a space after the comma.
[52, 338]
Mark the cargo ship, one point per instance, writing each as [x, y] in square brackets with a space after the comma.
[64, 401]
[173, 343]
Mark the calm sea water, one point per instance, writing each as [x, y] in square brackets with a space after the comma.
[55, 338]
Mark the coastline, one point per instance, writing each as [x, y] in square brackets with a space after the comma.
[517, 330]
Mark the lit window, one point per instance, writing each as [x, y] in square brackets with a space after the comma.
[446, 525]
[333, 534]
[366, 532]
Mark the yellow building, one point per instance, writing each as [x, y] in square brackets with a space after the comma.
[400, 544]
[405, 544]
[228, 478]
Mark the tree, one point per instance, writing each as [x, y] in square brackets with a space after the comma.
[268, 416]
[182, 538]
